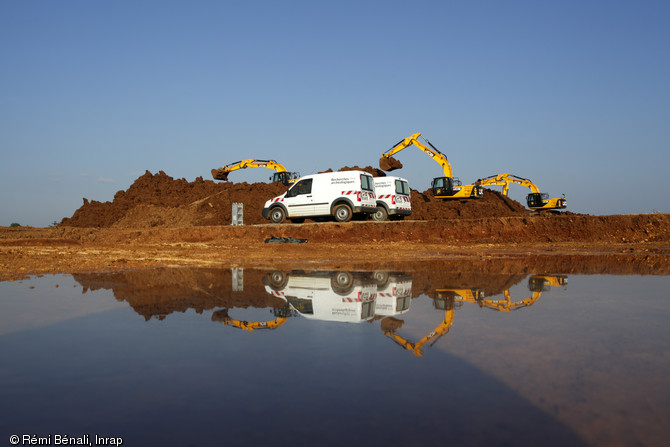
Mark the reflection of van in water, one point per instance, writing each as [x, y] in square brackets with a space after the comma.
[394, 293]
[337, 194]
[393, 198]
[325, 295]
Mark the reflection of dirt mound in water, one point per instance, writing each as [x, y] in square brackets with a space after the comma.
[162, 291]
[158, 200]
[159, 292]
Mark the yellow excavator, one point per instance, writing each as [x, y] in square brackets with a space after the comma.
[536, 284]
[446, 187]
[281, 176]
[389, 325]
[536, 200]
[223, 317]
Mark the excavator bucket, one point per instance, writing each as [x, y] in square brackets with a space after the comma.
[219, 174]
[389, 164]
[391, 324]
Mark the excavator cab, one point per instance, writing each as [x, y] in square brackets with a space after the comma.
[448, 187]
[538, 283]
[284, 177]
[541, 201]
[537, 199]
[444, 186]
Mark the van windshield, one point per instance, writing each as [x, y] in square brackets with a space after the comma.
[367, 184]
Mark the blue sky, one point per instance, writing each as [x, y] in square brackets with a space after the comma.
[574, 95]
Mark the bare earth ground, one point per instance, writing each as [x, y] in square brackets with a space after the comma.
[161, 221]
[131, 244]
[628, 244]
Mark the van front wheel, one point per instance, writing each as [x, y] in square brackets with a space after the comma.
[277, 215]
[380, 215]
[342, 212]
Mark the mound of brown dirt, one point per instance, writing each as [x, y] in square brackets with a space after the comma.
[369, 169]
[493, 204]
[158, 200]
[159, 292]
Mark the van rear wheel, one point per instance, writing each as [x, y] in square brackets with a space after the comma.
[342, 283]
[277, 215]
[278, 279]
[342, 212]
[380, 215]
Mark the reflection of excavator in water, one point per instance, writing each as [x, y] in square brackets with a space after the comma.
[390, 325]
[281, 176]
[536, 200]
[281, 315]
[446, 187]
[536, 284]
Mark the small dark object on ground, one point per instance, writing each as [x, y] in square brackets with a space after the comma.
[289, 240]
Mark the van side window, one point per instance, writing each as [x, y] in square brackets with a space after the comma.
[367, 184]
[401, 187]
[302, 187]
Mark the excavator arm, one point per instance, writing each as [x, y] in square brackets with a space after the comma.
[390, 324]
[505, 179]
[281, 174]
[535, 200]
[388, 163]
[446, 187]
[536, 284]
[507, 305]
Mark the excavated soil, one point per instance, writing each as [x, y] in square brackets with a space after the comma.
[158, 200]
[160, 221]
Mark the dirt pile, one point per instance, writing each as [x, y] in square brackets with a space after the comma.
[369, 169]
[158, 200]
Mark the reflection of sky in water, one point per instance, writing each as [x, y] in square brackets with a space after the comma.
[587, 361]
[51, 300]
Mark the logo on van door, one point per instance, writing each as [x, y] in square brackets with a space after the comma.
[359, 195]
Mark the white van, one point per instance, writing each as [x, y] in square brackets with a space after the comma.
[326, 295]
[393, 198]
[337, 194]
[394, 293]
